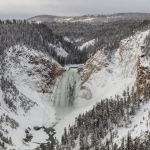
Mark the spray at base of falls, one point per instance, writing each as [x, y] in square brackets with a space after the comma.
[67, 89]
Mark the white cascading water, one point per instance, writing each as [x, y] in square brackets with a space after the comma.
[67, 88]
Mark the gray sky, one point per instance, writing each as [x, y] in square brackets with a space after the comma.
[29, 8]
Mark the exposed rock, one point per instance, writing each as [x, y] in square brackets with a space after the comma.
[143, 79]
[59, 71]
[95, 63]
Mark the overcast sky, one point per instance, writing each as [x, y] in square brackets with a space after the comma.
[29, 8]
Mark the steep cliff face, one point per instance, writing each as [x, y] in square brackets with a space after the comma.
[128, 67]
[95, 63]
[141, 61]
[25, 65]
[106, 79]
[143, 71]
[28, 78]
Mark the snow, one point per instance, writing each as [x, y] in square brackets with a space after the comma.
[78, 39]
[36, 117]
[38, 22]
[39, 136]
[76, 19]
[87, 44]
[121, 73]
[67, 117]
[59, 50]
[107, 80]
[66, 19]
[69, 66]
[43, 112]
[87, 20]
[138, 126]
[68, 39]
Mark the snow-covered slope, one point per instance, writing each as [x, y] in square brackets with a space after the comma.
[87, 44]
[120, 72]
[104, 78]
[59, 50]
[61, 19]
[28, 77]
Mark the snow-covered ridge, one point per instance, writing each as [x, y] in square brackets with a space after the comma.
[29, 66]
[59, 50]
[96, 62]
[123, 66]
[68, 39]
[73, 20]
[121, 72]
[87, 44]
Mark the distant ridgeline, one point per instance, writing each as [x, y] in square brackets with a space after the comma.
[39, 37]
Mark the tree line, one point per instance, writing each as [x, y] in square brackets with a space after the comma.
[38, 37]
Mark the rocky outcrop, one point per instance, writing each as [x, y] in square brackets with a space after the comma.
[130, 63]
[143, 74]
[58, 72]
[32, 67]
[95, 63]
[143, 79]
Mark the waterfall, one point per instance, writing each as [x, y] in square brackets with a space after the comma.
[66, 90]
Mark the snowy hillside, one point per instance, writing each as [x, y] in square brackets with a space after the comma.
[87, 44]
[104, 78]
[121, 71]
[27, 81]
[59, 50]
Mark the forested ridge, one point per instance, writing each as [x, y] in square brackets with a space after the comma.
[91, 128]
[108, 35]
[38, 37]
